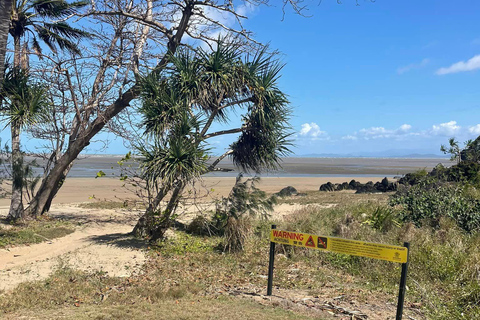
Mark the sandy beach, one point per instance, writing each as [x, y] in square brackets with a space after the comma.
[76, 190]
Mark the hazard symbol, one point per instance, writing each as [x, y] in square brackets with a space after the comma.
[322, 242]
[310, 242]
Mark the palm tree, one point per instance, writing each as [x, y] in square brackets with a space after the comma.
[33, 21]
[180, 106]
[24, 104]
[5, 6]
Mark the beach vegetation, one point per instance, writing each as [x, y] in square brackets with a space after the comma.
[179, 108]
[100, 91]
[188, 269]
[34, 231]
[24, 104]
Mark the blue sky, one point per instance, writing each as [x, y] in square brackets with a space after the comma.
[388, 75]
[384, 75]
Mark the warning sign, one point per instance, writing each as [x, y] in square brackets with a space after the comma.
[339, 245]
[310, 242]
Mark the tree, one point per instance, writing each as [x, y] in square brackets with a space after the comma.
[24, 104]
[458, 154]
[132, 39]
[5, 9]
[181, 104]
[31, 21]
[34, 20]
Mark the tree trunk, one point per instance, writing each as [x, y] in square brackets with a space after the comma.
[5, 12]
[51, 183]
[141, 229]
[157, 230]
[59, 185]
[16, 203]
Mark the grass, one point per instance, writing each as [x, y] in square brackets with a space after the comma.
[190, 307]
[32, 232]
[335, 198]
[188, 276]
[105, 204]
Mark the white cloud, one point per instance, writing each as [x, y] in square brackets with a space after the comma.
[474, 129]
[405, 127]
[461, 66]
[350, 137]
[312, 130]
[381, 132]
[445, 129]
[412, 66]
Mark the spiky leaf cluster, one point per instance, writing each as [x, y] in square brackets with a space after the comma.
[179, 106]
[24, 103]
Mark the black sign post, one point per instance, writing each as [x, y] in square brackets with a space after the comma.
[270, 265]
[403, 284]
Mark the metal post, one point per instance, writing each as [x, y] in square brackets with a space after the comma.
[270, 265]
[403, 284]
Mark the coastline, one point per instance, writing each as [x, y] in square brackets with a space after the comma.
[78, 190]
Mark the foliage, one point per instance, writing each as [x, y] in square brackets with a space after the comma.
[44, 20]
[24, 101]
[383, 219]
[179, 107]
[244, 200]
[430, 200]
[453, 149]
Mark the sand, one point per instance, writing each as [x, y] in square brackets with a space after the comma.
[99, 243]
[77, 190]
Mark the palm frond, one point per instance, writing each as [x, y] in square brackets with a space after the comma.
[56, 8]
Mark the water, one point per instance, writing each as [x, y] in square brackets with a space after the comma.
[291, 167]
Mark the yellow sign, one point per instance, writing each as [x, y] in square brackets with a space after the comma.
[339, 245]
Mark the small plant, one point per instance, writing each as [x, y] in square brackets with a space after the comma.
[383, 219]
[232, 213]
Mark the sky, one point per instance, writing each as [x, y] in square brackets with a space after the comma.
[378, 77]
[384, 77]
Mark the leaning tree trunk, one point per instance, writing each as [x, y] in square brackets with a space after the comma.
[59, 185]
[141, 229]
[16, 204]
[164, 221]
[51, 183]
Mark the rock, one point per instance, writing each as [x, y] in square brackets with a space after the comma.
[354, 185]
[368, 187]
[343, 186]
[287, 192]
[327, 187]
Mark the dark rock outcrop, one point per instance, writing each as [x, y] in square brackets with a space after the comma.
[287, 192]
[369, 187]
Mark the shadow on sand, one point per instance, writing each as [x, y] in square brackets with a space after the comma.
[120, 240]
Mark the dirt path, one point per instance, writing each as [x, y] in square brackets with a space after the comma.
[99, 244]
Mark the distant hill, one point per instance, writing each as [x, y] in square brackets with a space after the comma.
[385, 154]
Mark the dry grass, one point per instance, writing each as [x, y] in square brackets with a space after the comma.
[189, 277]
[187, 308]
[335, 198]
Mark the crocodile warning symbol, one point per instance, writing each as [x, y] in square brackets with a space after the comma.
[322, 242]
[310, 242]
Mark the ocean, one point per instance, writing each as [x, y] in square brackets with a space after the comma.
[88, 166]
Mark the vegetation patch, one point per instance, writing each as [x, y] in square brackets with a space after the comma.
[33, 232]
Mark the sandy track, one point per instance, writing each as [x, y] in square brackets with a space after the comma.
[98, 244]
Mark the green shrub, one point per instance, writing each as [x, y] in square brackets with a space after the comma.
[430, 200]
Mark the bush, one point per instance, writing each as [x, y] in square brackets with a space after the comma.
[430, 199]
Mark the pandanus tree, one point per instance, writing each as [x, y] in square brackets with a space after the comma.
[180, 106]
[24, 104]
[34, 22]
